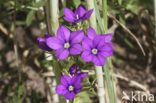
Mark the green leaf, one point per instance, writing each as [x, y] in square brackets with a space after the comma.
[30, 17]
[107, 67]
[120, 2]
[109, 83]
[122, 19]
[82, 97]
[97, 13]
[39, 4]
[76, 3]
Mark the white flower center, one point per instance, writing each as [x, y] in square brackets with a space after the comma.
[94, 51]
[77, 16]
[66, 45]
[70, 88]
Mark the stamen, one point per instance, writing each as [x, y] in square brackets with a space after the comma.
[77, 16]
[66, 45]
[70, 88]
[94, 51]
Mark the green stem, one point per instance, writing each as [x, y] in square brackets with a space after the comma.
[108, 65]
[53, 24]
[48, 17]
[98, 69]
[54, 15]
[92, 18]
[104, 4]
[100, 80]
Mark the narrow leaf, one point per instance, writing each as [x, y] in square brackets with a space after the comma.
[30, 17]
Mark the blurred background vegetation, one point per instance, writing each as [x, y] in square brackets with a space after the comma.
[21, 25]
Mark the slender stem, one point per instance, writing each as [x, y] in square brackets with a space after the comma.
[48, 17]
[53, 19]
[54, 15]
[72, 101]
[15, 42]
[104, 4]
[108, 65]
[100, 80]
[99, 73]
[92, 19]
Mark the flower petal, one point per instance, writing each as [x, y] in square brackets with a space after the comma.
[96, 41]
[65, 80]
[101, 41]
[80, 11]
[108, 37]
[83, 74]
[76, 36]
[87, 15]
[54, 43]
[69, 95]
[99, 60]
[76, 80]
[91, 33]
[106, 51]
[62, 53]
[77, 89]
[68, 19]
[63, 33]
[61, 89]
[87, 43]
[72, 69]
[69, 14]
[75, 49]
[47, 35]
[42, 44]
[86, 56]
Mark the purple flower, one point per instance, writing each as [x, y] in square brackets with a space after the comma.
[69, 87]
[66, 43]
[97, 47]
[42, 42]
[75, 70]
[80, 14]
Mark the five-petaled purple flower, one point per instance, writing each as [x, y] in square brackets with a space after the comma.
[69, 87]
[79, 15]
[42, 42]
[66, 43]
[74, 70]
[97, 47]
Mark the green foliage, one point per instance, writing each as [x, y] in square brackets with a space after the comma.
[39, 4]
[30, 17]
[98, 17]
[108, 75]
[19, 95]
[109, 83]
[120, 2]
[31, 13]
[116, 6]
[76, 2]
[82, 97]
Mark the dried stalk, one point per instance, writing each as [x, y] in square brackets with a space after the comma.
[125, 28]
[15, 43]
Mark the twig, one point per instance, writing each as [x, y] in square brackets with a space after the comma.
[124, 27]
[15, 43]
[132, 82]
